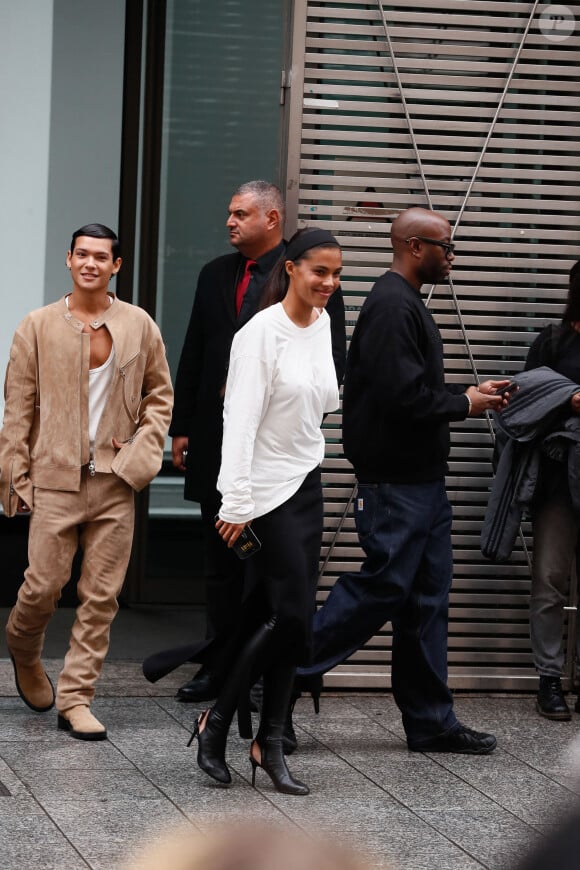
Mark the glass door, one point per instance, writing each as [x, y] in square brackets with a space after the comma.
[222, 124]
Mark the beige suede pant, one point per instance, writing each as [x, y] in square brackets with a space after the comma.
[100, 518]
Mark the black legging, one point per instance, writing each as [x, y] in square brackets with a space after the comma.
[282, 577]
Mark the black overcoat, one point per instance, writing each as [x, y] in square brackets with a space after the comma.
[202, 370]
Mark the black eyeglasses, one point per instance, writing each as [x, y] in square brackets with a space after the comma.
[448, 247]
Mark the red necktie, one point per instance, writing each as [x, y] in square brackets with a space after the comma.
[243, 285]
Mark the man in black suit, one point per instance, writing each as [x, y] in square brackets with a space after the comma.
[227, 296]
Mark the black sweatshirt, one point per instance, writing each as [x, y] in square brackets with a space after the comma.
[397, 408]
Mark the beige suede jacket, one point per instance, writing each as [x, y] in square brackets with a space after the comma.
[44, 441]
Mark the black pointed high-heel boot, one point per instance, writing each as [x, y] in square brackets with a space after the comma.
[268, 743]
[272, 760]
[211, 751]
[289, 739]
[213, 725]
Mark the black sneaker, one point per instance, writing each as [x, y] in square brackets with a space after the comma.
[551, 702]
[463, 741]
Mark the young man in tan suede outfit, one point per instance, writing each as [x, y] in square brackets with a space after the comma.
[88, 404]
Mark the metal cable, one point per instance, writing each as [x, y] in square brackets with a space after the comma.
[404, 104]
[458, 221]
[463, 206]
[338, 529]
[496, 116]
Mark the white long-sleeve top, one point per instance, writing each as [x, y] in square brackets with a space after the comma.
[281, 381]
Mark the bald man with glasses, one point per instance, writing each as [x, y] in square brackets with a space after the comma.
[396, 414]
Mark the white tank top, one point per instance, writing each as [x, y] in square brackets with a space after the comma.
[99, 383]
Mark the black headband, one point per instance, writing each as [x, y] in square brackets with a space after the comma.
[306, 240]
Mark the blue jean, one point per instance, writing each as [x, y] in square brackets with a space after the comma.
[405, 532]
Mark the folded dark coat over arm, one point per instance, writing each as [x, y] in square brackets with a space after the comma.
[533, 413]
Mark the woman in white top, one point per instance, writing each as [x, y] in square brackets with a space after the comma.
[281, 381]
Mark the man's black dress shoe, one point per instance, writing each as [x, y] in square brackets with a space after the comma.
[202, 687]
[551, 702]
[463, 740]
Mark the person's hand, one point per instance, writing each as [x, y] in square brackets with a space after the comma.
[22, 507]
[116, 444]
[230, 532]
[179, 448]
[488, 388]
[483, 398]
[575, 403]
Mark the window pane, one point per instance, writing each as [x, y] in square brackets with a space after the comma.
[221, 127]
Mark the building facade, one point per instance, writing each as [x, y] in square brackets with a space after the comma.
[146, 115]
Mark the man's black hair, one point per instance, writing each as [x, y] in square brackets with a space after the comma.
[98, 231]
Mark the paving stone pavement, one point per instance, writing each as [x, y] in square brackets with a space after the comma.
[68, 804]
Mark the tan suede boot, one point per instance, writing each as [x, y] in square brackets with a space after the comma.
[81, 724]
[33, 685]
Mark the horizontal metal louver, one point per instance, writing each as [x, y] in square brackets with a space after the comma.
[472, 109]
